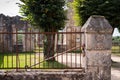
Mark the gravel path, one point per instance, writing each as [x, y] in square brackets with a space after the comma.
[115, 70]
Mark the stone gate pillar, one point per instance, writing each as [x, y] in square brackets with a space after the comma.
[98, 42]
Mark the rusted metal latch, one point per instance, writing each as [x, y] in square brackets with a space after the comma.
[83, 49]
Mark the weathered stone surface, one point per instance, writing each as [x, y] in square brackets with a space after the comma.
[8, 41]
[28, 42]
[98, 42]
[99, 64]
[42, 76]
[97, 24]
[70, 39]
[73, 39]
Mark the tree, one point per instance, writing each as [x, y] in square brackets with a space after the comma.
[116, 38]
[48, 15]
[108, 8]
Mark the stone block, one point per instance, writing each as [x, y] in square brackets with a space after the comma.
[46, 75]
[98, 41]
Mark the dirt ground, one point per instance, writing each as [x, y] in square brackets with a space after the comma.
[115, 70]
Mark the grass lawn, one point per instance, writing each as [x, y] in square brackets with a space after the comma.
[38, 49]
[116, 50]
[9, 60]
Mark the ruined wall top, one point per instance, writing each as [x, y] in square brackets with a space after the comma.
[97, 24]
[7, 22]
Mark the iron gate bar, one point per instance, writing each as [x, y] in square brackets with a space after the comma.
[34, 34]
[39, 32]
[54, 56]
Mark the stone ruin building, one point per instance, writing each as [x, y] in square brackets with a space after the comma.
[8, 41]
[70, 40]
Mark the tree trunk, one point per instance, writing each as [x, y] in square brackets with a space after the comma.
[49, 45]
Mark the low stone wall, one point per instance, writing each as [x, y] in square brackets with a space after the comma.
[38, 75]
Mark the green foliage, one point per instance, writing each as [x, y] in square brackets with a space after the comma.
[116, 39]
[48, 15]
[108, 8]
[53, 64]
[8, 60]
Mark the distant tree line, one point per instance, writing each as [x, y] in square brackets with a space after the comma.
[116, 39]
[108, 8]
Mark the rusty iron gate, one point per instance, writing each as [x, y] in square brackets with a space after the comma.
[25, 49]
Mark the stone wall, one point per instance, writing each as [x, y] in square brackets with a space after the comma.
[72, 39]
[13, 24]
[37, 75]
[28, 42]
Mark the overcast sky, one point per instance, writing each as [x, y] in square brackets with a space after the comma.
[9, 7]
[116, 32]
